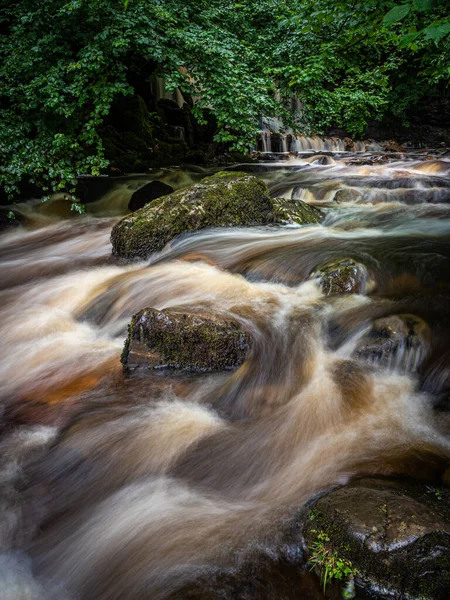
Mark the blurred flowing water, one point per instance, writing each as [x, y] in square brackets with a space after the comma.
[137, 486]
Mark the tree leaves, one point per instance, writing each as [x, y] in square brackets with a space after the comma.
[63, 63]
[408, 38]
[396, 14]
[423, 5]
[437, 31]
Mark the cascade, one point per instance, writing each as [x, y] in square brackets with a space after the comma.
[274, 142]
[150, 484]
[275, 139]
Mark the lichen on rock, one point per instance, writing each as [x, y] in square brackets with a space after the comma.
[173, 340]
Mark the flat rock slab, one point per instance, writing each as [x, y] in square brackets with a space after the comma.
[396, 535]
[170, 340]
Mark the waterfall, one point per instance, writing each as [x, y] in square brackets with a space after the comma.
[274, 138]
[274, 142]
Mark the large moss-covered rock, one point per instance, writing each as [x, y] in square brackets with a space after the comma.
[296, 211]
[395, 535]
[343, 276]
[222, 200]
[171, 340]
[226, 199]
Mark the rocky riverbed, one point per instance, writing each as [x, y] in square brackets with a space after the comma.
[278, 426]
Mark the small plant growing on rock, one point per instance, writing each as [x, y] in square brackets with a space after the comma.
[330, 566]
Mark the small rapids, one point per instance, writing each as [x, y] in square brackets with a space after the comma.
[140, 485]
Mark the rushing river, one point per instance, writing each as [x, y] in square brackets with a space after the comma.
[136, 485]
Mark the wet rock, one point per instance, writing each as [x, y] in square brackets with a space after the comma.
[171, 340]
[9, 219]
[347, 195]
[224, 200]
[274, 573]
[349, 144]
[322, 159]
[90, 189]
[147, 193]
[399, 341]
[296, 211]
[396, 536]
[392, 146]
[343, 276]
[131, 114]
[360, 161]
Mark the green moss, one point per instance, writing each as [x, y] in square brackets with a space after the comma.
[221, 175]
[296, 211]
[164, 339]
[413, 566]
[224, 200]
[343, 275]
[126, 347]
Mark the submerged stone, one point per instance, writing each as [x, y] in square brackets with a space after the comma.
[347, 195]
[343, 276]
[399, 341]
[168, 339]
[395, 535]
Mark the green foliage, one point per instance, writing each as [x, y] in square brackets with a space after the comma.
[330, 566]
[349, 62]
[435, 31]
[396, 14]
[64, 62]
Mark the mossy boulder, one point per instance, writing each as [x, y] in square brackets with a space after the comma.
[399, 341]
[296, 211]
[172, 340]
[395, 535]
[223, 200]
[226, 199]
[343, 276]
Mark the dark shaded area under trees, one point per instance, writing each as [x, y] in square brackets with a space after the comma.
[77, 81]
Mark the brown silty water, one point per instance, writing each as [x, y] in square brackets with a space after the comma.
[137, 485]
